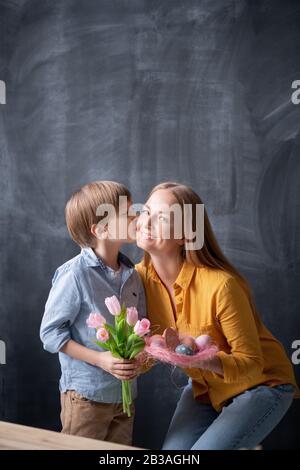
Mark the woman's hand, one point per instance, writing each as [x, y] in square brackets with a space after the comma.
[214, 365]
[122, 369]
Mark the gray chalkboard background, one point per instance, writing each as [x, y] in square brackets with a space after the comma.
[143, 91]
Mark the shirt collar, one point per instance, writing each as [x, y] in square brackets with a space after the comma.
[183, 279]
[185, 276]
[93, 260]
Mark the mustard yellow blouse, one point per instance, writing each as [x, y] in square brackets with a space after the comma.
[211, 301]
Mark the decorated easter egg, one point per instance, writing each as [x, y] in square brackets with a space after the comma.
[189, 342]
[171, 338]
[203, 341]
[158, 341]
[182, 349]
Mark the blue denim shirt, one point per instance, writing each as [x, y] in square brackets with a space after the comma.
[80, 287]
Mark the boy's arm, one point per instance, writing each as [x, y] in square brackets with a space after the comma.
[122, 369]
[61, 310]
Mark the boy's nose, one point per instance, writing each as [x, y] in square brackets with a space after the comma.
[143, 221]
[146, 224]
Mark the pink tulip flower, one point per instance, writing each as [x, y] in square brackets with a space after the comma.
[102, 335]
[142, 327]
[132, 316]
[95, 320]
[113, 305]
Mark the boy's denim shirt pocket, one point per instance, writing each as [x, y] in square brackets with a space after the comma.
[80, 287]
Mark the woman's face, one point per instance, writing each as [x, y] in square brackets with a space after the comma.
[155, 225]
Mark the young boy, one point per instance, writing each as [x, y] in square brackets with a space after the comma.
[90, 384]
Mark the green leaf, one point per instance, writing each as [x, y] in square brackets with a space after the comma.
[112, 331]
[135, 351]
[124, 311]
[134, 342]
[133, 338]
[116, 354]
[130, 329]
[121, 331]
[103, 345]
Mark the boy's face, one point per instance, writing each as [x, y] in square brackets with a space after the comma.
[119, 226]
[126, 224]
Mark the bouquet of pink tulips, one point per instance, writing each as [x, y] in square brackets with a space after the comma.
[123, 340]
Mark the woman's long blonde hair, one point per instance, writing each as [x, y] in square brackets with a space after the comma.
[210, 254]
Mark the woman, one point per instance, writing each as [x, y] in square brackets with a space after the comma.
[234, 400]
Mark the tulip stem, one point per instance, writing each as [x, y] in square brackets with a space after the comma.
[126, 397]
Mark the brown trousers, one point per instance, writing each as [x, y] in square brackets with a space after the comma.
[103, 421]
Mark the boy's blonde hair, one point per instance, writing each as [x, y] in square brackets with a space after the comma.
[81, 208]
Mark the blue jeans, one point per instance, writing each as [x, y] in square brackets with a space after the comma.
[243, 423]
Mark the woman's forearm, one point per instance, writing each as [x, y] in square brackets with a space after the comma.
[214, 365]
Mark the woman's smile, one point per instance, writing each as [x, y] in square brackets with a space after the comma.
[144, 238]
[146, 234]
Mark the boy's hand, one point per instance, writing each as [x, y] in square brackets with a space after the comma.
[146, 363]
[122, 369]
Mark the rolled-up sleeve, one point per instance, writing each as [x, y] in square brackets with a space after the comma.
[235, 315]
[61, 310]
[141, 306]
